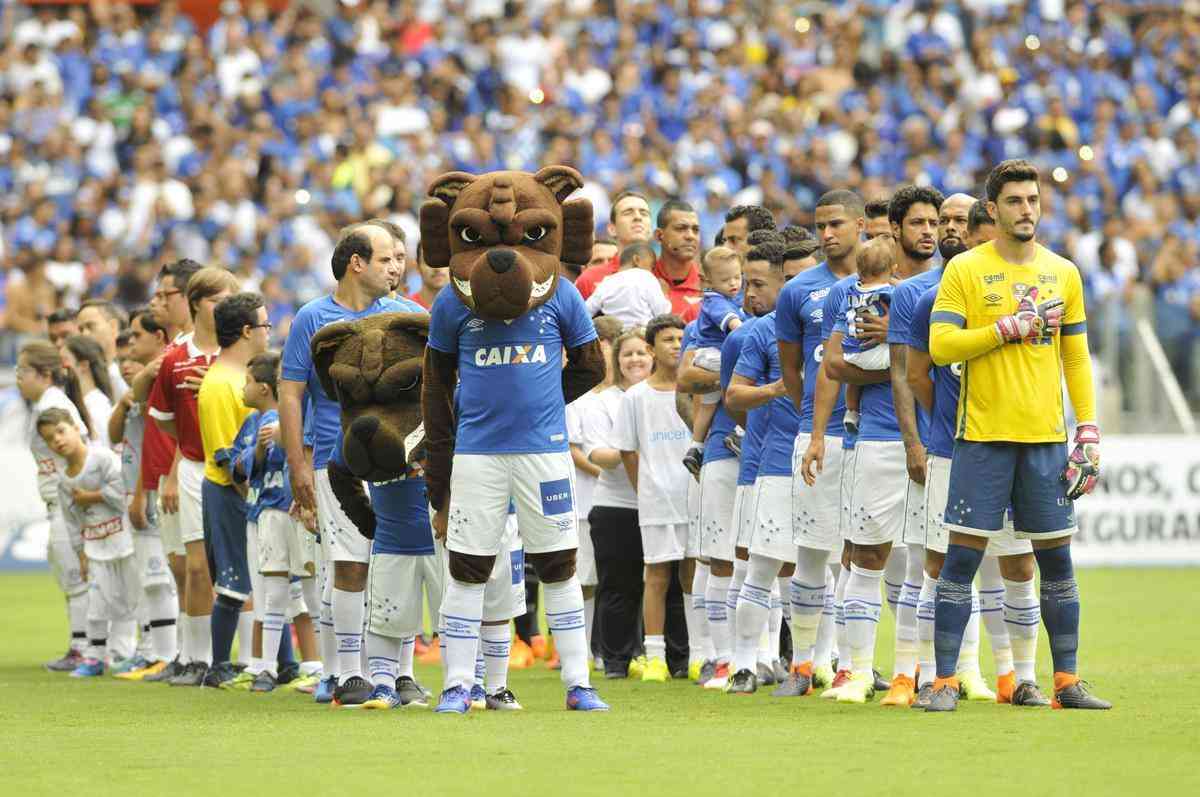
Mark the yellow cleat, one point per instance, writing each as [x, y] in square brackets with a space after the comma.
[656, 672]
[860, 689]
[901, 693]
[973, 687]
[137, 675]
[822, 677]
[694, 670]
[637, 667]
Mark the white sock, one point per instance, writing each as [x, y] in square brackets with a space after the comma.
[276, 598]
[839, 605]
[77, 618]
[806, 593]
[991, 611]
[735, 591]
[701, 645]
[691, 619]
[589, 620]
[925, 606]
[327, 636]
[827, 630]
[404, 662]
[122, 638]
[142, 616]
[893, 576]
[383, 657]
[968, 656]
[564, 617]
[245, 637]
[462, 609]
[496, 643]
[348, 611]
[768, 643]
[753, 610]
[655, 646]
[718, 618]
[906, 613]
[163, 610]
[202, 638]
[97, 637]
[862, 609]
[480, 667]
[1023, 615]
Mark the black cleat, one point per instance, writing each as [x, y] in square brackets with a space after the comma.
[288, 673]
[743, 682]
[1027, 694]
[944, 699]
[192, 674]
[693, 460]
[796, 684]
[765, 674]
[411, 693]
[219, 675]
[352, 692]
[881, 683]
[264, 682]
[707, 671]
[924, 695]
[172, 669]
[504, 700]
[1077, 696]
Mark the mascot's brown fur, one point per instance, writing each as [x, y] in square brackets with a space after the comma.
[503, 236]
[372, 368]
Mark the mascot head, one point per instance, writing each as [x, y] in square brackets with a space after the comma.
[372, 368]
[504, 234]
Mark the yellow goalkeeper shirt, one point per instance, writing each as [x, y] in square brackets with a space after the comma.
[1011, 391]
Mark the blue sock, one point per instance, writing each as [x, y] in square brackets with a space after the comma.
[1060, 605]
[286, 656]
[952, 606]
[224, 626]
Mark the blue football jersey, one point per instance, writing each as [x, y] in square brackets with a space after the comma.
[799, 318]
[939, 440]
[267, 483]
[829, 312]
[759, 361]
[716, 311]
[901, 326]
[757, 419]
[861, 302]
[876, 408]
[401, 517]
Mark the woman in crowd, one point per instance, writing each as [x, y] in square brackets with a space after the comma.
[85, 358]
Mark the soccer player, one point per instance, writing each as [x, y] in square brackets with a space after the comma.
[363, 264]
[1012, 312]
[92, 496]
[173, 407]
[652, 439]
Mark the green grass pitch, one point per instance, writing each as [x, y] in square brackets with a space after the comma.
[1140, 648]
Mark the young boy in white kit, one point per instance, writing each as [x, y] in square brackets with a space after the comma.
[633, 295]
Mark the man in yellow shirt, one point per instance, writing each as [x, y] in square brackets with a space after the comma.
[1011, 311]
[242, 332]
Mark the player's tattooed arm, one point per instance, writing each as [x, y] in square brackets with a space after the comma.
[583, 371]
[440, 374]
[906, 413]
[691, 379]
[838, 369]
[348, 489]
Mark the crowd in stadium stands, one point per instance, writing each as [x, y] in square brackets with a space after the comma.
[129, 138]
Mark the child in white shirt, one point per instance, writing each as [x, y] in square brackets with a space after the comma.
[633, 295]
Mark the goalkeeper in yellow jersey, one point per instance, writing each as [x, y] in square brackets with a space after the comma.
[1011, 312]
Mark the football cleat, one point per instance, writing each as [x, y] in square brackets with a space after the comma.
[656, 672]
[219, 676]
[1028, 694]
[455, 700]
[743, 682]
[70, 660]
[1075, 695]
[305, 684]
[797, 683]
[410, 692]
[584, 698]
[168, 672]
[242, 681]
[382, 697]
[822, 677]
[924, 695]
[694, 668]
[973, 687]
[520, 656]
[287, 673]
[126, 666]
[151, 668]
[1005, 684]
[945, 695]
[880, 684]
[707, 670]
[902, 692]
[765, 673]
[504, 700]
[264, 682]
[478, 697]
[860, 689]
[88, 668]
[840, 679]
[192, 674]
[637, 666]
[693, 460]
[352, 692]
[323, 693]
[720, 678]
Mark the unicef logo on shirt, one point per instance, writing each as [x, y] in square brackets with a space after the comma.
[667, 436]
[486, 356]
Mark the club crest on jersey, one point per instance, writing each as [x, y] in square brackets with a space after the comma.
[510, 355]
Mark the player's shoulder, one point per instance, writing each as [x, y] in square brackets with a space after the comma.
[315, 311]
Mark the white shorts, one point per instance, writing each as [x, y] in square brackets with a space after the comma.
[846, 492]
[542, 486]
[152, 562]
[504, 591]
[585, 557]
[718, 500]
[664, 543]
[191, 516]
[876, 358]
[747, 507]
[914, 513]
[168, 525]
[816, 509]
[937, 534]
[63, 560]
[114, 588]
[709, 359]
[879, 492]
[284, 545]
[396, 588]
[692, 549]
[773, 533]
[340, 539]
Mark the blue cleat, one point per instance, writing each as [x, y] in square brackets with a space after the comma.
[455, 700]
[382, 697]
[324, 691]
[584, 698]
[88, 668]
[126, 666]
[478, 697]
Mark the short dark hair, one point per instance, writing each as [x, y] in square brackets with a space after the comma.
[877, 208]
[235, 313]
[612, 209]
[264, 367]
[633, 250]
[910, 195]
[604, 241]
[61, 316]
[53, 417]
[1016, 170]
[802, 249]
[146, 319]
[757, 217]
[978, 216]
[352, 241]
[659, 323]
[794, 233]
[764, 236]
[669, 207]
[110, 310]
[851, 201]
[181, 272]
[771, 251]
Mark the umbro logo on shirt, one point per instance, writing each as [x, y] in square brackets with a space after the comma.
[509, 355]
[475, 325]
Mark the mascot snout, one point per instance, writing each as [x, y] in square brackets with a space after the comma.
[501, 260]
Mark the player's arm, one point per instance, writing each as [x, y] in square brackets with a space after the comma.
[581, 461]
[825, 395]
[630, 460]
[291, 430]
[744, 395]
[838, 369]
[693, 380]
[1083, 465]
[144, 381]
[916, 371]
[791, 365]
[906, 413]
[584, 369]
[949, 340]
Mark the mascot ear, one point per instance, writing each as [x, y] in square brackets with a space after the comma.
[324, 347]
[435, 216]
[416, 323]
[448, 186]
[561, 180]
[578, 228]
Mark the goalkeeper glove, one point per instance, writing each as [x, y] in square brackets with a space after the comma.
[1083, 466]
[1031, 320]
